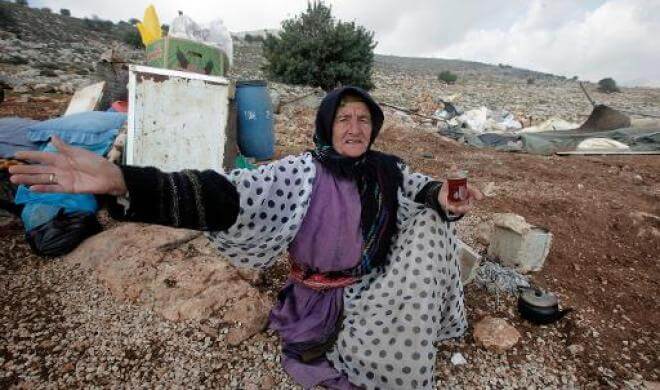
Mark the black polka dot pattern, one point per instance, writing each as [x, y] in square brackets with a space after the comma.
[274, 199]
[392, 319]
[393, 316]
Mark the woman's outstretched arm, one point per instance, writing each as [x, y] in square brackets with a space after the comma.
[202, 200]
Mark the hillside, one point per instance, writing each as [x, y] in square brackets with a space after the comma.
[59, 53]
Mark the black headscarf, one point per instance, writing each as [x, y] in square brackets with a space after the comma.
[376, 174]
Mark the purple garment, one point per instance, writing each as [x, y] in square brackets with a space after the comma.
[329, 239]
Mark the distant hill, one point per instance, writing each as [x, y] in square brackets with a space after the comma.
[473, 69]
[44, 25]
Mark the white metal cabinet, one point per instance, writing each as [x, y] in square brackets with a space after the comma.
[176, 120]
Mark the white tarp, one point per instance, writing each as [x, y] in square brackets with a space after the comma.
[601, 143]
[552, 124]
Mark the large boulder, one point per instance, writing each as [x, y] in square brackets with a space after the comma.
[160, 268]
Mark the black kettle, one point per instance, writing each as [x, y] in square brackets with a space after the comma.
[539, 307]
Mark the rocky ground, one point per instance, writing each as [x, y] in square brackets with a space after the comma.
[62, 327]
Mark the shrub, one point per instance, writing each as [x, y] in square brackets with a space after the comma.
[65, 12]
[165, 29]
[46, 9]
[97, 24]
[7, 21]
[132, 37]
[530, 81]
[447, 76]
[253, 38]
[315, 49]
[608, 85]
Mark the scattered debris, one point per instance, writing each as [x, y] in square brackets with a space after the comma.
[605, 118]
[469, 262]
[497, 279]
[86, 99]
[552, 124]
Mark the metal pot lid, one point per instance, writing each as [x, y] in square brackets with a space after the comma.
[538, 298]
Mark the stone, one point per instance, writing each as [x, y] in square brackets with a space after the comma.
[267, 382]
[575, 349]
[469, 261]
[518, 244]
[251, 314]
[21, 89]
[647, 224]
[458, 359]
[484, 231]
[142, 264]
[638, 179]
[66, 88]
[489, 189]
[43, 88]
[495, 334]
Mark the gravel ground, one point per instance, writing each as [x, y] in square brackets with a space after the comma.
[61, 329]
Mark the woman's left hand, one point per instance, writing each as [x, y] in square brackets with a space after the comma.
[458, 208]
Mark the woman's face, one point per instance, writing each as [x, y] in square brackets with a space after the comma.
[351, 129]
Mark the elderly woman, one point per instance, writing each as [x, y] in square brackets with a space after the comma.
[374, 279]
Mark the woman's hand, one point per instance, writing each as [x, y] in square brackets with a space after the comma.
[473, 194]
[73, 170]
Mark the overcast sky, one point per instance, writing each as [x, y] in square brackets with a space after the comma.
[592, 39]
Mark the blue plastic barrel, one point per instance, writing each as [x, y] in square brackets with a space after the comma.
[255, 120]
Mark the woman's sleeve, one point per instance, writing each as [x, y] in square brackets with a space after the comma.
[423, 189]
[200, 200]
[273, 201]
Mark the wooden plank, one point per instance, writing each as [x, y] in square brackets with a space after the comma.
[86, 99]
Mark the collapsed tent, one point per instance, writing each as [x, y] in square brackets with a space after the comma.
[612, 130]
[549, 142]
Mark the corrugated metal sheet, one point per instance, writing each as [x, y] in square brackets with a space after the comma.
[176, 120]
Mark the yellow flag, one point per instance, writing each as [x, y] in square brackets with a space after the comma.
[144, 34]
[151, 23]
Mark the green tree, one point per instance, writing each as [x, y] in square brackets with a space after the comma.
[315, 49]
[447, 76]
[22, 2]
[608, 85]
[65, 12]
[132, 37]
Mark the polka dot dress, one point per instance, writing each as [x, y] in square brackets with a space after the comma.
[393, 317]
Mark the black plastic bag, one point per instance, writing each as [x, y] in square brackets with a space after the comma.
[63, 233]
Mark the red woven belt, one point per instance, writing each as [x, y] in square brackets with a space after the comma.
[318, 281]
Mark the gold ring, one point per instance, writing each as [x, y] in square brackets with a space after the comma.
[51, 178]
